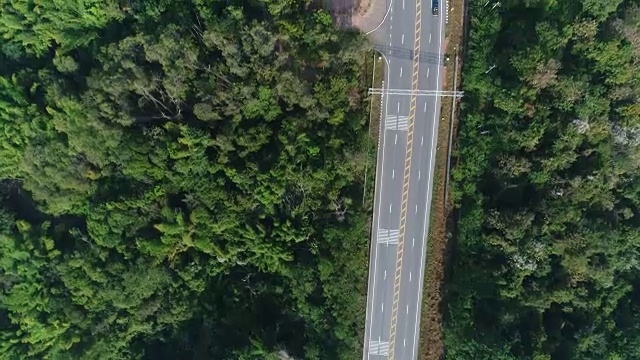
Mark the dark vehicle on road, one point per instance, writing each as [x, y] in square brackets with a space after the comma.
[434, 7]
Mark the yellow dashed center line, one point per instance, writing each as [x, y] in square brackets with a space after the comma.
[405, 184]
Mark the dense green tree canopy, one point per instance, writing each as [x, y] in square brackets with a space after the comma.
[547, 259]
[180, 179]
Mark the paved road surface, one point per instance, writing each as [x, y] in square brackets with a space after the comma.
[404, 178]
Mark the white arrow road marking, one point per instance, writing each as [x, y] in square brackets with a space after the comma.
[390, 207]
[413, 242]
[393, 173]
[385, 274]
[418, 174]
[421, 140]
[409, 276]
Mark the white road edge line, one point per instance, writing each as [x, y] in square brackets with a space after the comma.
[424, 231]
[389, 9]
[375, 258]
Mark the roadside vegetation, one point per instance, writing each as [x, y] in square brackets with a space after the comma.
[440, 228]
[181, 180]
[546, 263]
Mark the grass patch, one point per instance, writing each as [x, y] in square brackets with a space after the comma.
[375, 64]
[374, 67]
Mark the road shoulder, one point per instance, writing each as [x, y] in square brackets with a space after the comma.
[431, 344]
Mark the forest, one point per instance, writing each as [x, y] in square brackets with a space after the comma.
[181, 180]
[545, 261]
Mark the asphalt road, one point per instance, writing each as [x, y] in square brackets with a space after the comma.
[395, 282]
